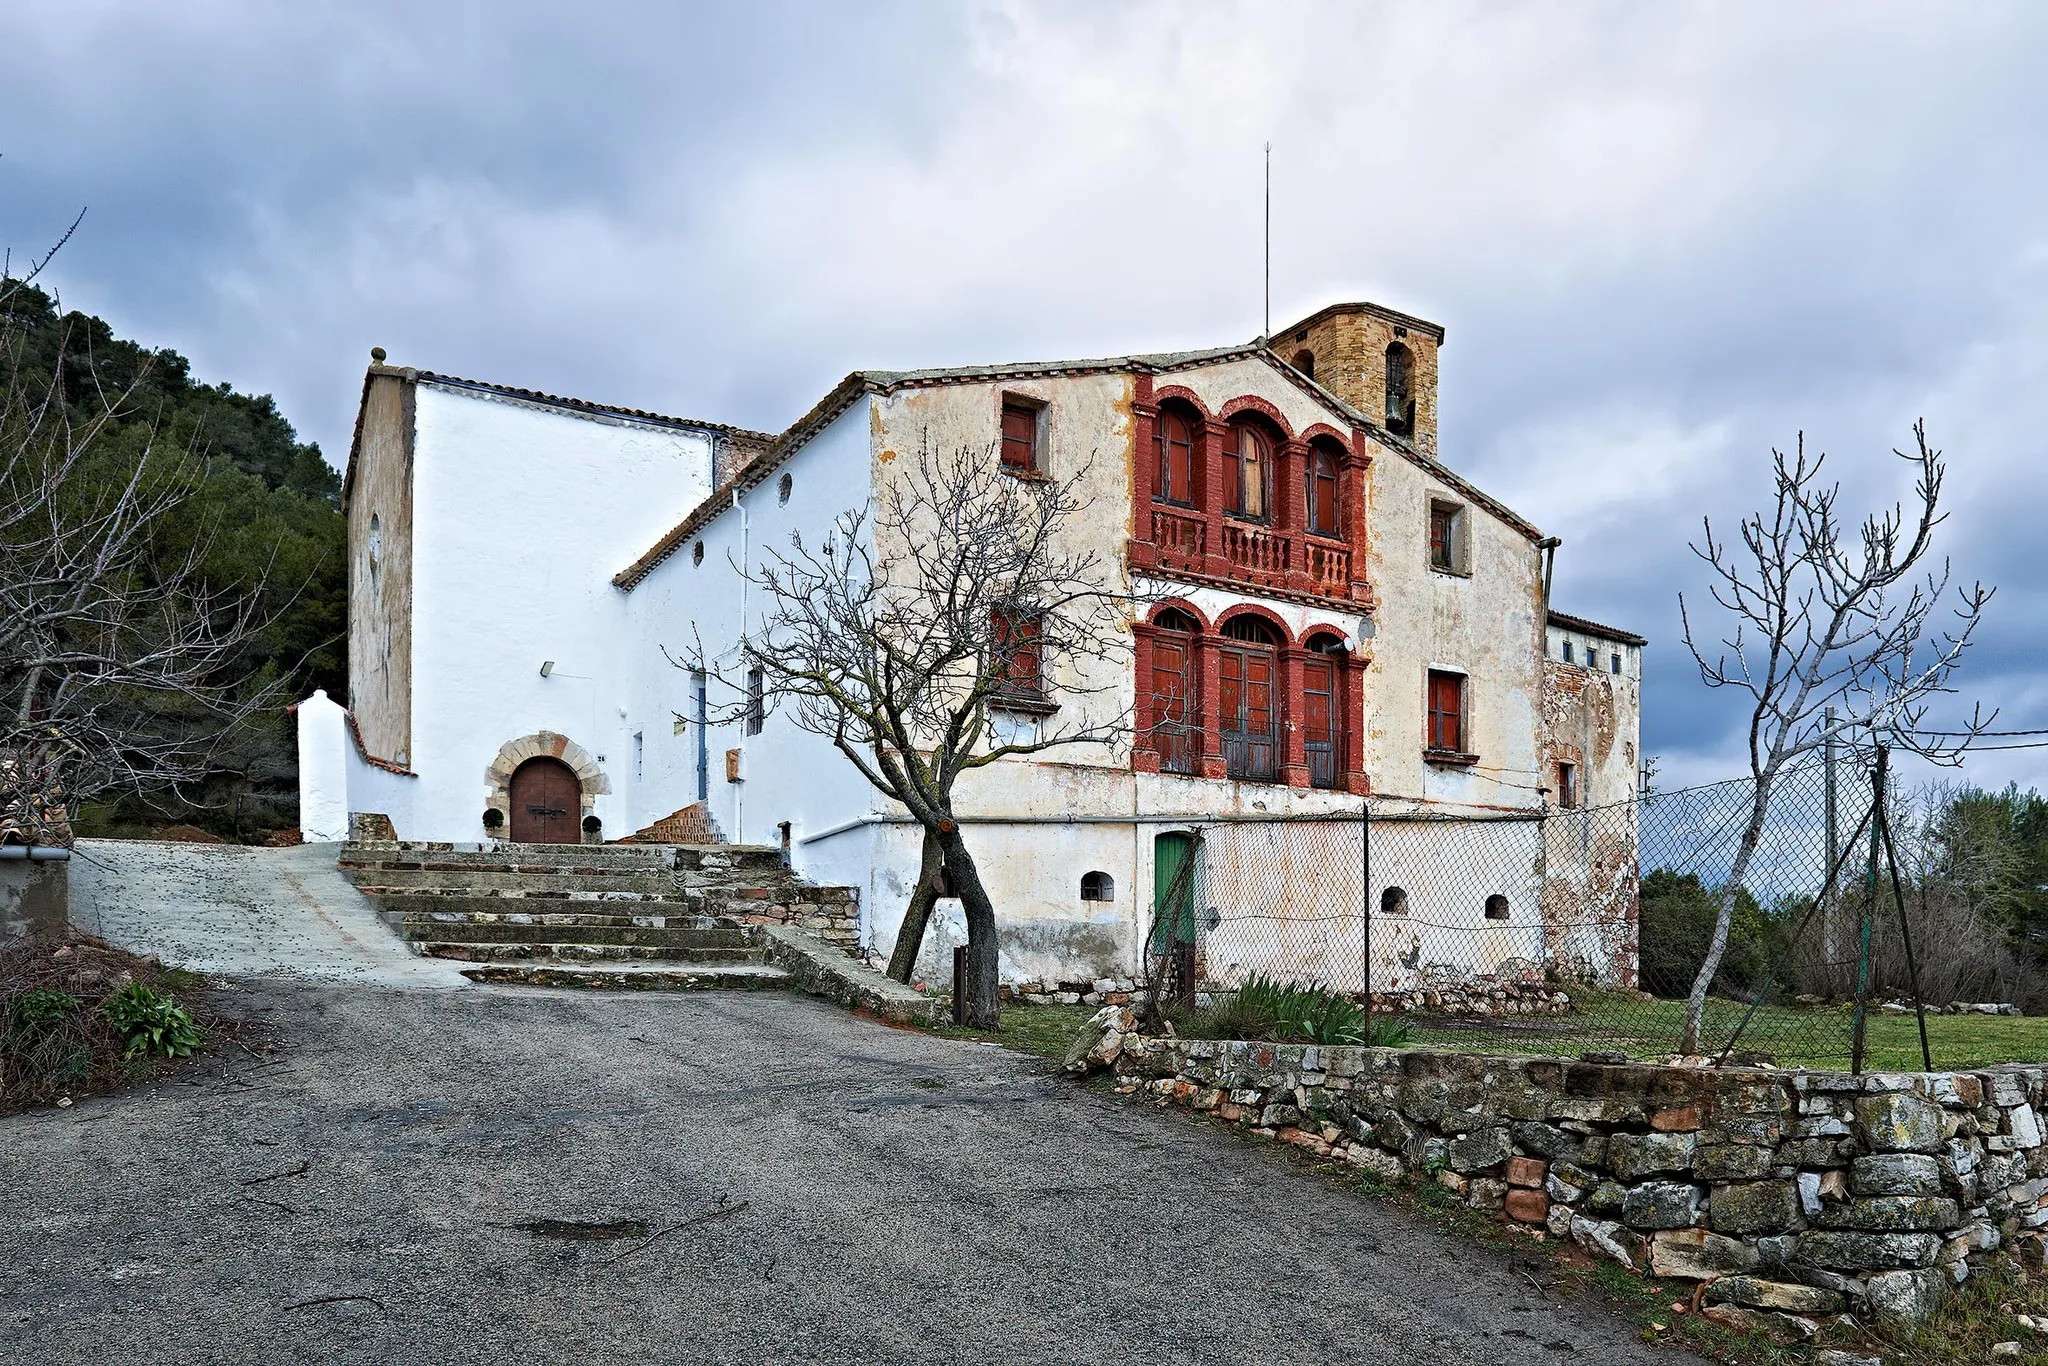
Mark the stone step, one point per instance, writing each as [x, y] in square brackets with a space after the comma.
[554, 951]
[458, 921]
[468, 865]
[631, 976]
[504, 879]
[707, 857]
[471, 901]
[682, 942]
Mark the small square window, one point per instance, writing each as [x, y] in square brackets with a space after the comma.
[1446, 532]
[1023, 433]
[1614, 663]
[1446, 712]
[1567, 655]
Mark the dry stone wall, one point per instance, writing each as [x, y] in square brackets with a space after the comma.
[1795, 1195]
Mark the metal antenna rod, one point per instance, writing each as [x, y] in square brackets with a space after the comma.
[1267, 333]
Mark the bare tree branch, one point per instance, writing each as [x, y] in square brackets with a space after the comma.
[947, 626]
[121, 666]
[1821, 621]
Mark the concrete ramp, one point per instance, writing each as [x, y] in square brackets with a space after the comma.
[239, 911]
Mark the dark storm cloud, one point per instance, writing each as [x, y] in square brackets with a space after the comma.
[1663, 238]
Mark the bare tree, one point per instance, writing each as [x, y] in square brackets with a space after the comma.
[120, 667]
[923, 636]
[1823, 619]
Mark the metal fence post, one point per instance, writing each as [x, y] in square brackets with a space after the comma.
[1365, 906]
[1856, 1037]
[1830, 916]
[959, 984]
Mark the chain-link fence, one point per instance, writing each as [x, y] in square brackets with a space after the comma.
[1554, 931]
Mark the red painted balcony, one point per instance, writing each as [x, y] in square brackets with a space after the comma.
[1260, 555]
[1182, 538]
[1329, 568]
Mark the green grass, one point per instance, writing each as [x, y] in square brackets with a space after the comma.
[1042, 1031]
[1796, 1038]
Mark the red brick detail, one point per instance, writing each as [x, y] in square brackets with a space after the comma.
[691, 825]
[1527, 1171]
[1680, 1119]
[1527, 1206]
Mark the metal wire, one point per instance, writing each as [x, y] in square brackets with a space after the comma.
[1556, 931]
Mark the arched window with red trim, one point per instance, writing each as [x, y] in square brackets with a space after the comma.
[1176, 689]
[1247, 709]
[1322, 709]
[1173, 449]
[1324, 509]
[1247, 472]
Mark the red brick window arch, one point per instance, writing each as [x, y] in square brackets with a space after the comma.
[1173, 448]
[1176, 693]
[1325, 462]
[1248, 472]
[1321, 708]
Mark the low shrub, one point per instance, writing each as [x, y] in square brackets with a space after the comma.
[78, 1015]
[151, 1022]
[39, 1008]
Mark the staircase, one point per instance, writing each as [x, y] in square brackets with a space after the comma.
[635, 916]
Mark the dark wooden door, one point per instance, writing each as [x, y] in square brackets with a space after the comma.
[547, 803]
[1173, 703]
[1319, 720]
[1246, 682]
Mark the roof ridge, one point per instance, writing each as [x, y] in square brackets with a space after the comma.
[1592, 627]
[568, 402]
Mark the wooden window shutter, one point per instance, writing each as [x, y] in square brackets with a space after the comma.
[1020, 436]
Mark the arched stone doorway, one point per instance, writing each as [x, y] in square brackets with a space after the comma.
[589, 783]
[547, 803]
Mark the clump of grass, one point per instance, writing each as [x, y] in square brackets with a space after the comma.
[151, 1022]
[1266, 1010]
[78, 1015]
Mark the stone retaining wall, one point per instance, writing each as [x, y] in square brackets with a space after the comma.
[1796, 1195]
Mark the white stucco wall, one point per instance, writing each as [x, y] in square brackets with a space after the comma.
[335, 780]
[521, 516]
[788, 774]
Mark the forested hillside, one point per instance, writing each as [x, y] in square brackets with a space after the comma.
[264, 505]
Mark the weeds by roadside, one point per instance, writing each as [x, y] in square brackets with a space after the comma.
[78, 1015]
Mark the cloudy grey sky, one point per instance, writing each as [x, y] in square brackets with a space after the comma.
[1663, 237]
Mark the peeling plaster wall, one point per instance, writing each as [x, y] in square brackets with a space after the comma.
[380, 635]
[1087, 431]
[1483, 624]
[522, 514]
[1591, 718]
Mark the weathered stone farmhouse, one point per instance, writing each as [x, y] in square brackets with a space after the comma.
[1332, 613]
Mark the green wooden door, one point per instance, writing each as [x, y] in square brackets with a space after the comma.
[1173, 890]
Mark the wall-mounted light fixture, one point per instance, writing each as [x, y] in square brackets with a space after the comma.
[547, 666]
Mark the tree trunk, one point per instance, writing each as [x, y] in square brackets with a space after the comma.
[1752, 835]
[984, 1001]
[910, 936]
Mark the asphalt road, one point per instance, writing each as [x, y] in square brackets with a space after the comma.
[873, 1195]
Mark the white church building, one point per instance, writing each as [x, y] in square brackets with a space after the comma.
[1332, 615]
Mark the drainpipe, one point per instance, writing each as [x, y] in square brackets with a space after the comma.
[1548, 545]
[739, 799]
